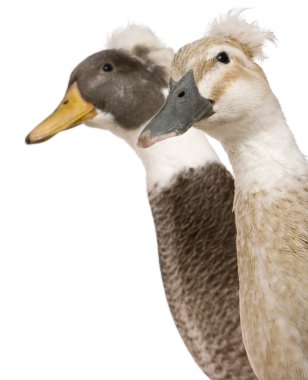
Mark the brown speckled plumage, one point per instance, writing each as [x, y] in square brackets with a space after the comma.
[196, 239]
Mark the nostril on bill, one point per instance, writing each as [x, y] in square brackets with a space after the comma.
[181, 94]
[66, 102]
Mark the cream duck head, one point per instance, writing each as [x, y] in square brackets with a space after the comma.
[117, 88]
[215, 81]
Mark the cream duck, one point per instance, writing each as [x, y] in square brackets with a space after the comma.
[217, 84]
[190, 193]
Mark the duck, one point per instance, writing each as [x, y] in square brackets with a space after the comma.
[119, 90]
[218, 86]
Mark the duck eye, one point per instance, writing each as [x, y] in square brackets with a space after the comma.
[223, 57]
[107, 67]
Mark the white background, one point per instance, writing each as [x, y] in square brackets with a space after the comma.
[80, 289]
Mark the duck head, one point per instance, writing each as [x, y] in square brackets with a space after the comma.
[121, 86]
[214, 81]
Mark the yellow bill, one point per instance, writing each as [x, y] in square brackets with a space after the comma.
[72, 111]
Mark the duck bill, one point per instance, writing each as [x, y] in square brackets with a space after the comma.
[72, 111]
[184, 106]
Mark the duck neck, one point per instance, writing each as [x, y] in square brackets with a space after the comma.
[166, 159]
[266, 155]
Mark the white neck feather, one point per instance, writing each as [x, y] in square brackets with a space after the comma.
[267, 155]
[164, 160]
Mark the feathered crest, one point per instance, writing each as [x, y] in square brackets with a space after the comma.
[140, 41]
[250, 35]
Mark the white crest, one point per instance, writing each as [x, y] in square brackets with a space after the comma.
[250, 35]
[137, 35]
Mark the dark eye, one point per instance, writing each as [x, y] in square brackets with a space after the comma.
[223, 57]
[107, 67]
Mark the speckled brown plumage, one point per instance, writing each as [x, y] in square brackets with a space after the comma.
[196, 238]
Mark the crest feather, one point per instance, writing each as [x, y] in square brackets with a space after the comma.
[250, 35]
[134, 36]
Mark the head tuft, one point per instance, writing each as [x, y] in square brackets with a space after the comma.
[142, 42]
[250, 35]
